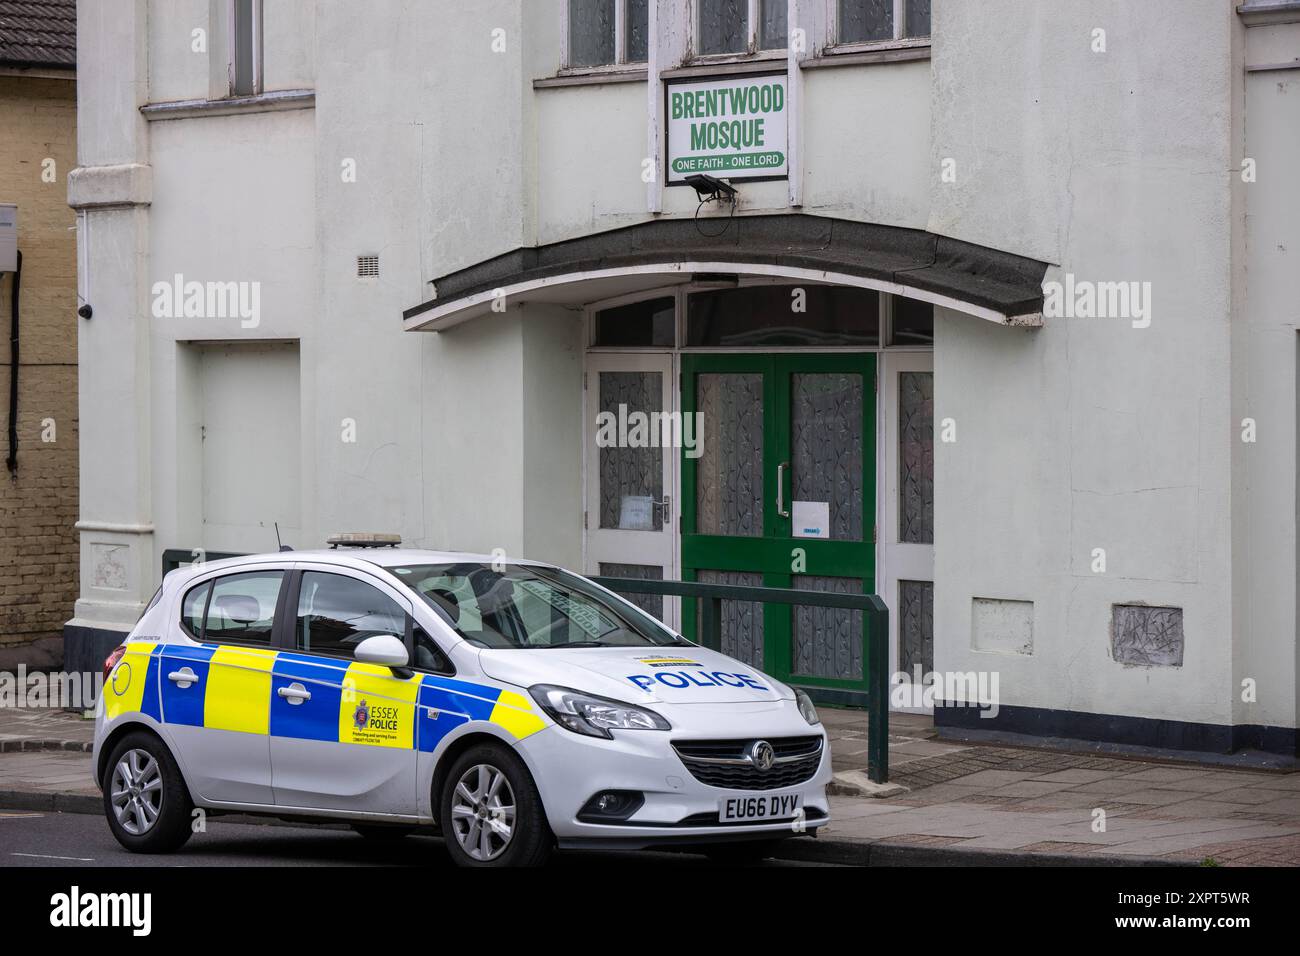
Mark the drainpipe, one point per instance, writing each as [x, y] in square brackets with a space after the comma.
[11, 460]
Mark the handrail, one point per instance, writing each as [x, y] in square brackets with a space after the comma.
[875, 653]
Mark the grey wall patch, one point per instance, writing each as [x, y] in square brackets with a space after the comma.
[1147, 636]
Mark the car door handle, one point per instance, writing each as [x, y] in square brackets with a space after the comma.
[294, 693]
[183, 677]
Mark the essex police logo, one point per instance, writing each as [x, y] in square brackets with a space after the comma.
[361, 717]
[663, 661]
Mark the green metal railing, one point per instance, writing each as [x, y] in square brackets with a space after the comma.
[710, 597]
[875, 654]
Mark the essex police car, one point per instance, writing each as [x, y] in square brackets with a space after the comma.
[514, 707]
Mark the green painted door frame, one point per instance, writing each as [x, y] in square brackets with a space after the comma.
[774, 553]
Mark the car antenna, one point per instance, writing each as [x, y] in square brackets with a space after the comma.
[282, 547]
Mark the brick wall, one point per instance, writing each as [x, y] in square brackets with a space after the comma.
[38, 506]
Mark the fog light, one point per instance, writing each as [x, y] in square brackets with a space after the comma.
[611, 805]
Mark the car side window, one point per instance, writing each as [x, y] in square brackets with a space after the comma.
[192, 608]
[337, 612]
[428, 655]
[242, 608]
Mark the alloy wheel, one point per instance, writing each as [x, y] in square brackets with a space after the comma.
[483, 812]
[137, 792]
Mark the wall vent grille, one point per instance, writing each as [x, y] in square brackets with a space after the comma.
[367, 267]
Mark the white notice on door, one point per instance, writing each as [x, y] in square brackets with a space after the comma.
[636, 513]
[812, 519]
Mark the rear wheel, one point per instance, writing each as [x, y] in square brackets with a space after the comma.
[490, 811]
[145, 798]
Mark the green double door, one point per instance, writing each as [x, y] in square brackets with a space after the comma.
[780, 492]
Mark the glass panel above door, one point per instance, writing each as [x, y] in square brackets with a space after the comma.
[729, 482]
[789, 315]
[648, 324]
[826, 455]
[631, 472]
[913, 322]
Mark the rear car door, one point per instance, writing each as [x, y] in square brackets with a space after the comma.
[216, 693]
[342, 731]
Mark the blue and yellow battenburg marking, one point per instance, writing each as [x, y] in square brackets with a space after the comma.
[132, 687]
[239, 689]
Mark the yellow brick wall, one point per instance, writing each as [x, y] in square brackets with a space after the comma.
[38, 507]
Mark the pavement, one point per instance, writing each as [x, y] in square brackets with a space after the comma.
[949, 803]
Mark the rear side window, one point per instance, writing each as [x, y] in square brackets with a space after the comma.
[192, 608]
[241, 609]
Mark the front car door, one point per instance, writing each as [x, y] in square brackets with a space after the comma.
[342, 732]
[215, 694]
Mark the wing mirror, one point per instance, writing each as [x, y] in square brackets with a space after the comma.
[386, 650]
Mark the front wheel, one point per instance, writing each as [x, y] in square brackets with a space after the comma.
[145, 798]
[490, 811]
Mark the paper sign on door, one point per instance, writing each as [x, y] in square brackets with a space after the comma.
[811, 519]
[636, 513]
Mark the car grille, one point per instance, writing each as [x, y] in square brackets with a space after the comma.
[726, 764]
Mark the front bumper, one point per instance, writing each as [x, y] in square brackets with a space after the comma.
[570, 769]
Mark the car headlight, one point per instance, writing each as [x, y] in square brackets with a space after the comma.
[806, 708]
[591, 715]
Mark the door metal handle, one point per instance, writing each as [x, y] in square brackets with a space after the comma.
[294, 693]
[781, 509]
[666, 505]
[183, 677]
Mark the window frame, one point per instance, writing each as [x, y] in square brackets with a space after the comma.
[897, 42]
[210, 583]
[752, 51]
[621, 63]
[681, 290]
[203, 615]
[232, 48]
[289, 631]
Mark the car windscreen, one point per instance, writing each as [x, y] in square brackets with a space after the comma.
[524, 606]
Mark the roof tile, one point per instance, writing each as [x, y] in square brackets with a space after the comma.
[38, 33]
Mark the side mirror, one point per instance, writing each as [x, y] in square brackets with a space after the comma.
[385, 650]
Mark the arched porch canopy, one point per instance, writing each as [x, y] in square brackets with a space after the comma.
[985, 283]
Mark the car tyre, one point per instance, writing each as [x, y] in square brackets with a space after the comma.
[490, 811]
[146, 801]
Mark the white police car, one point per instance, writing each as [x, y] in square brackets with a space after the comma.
[515, 707]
